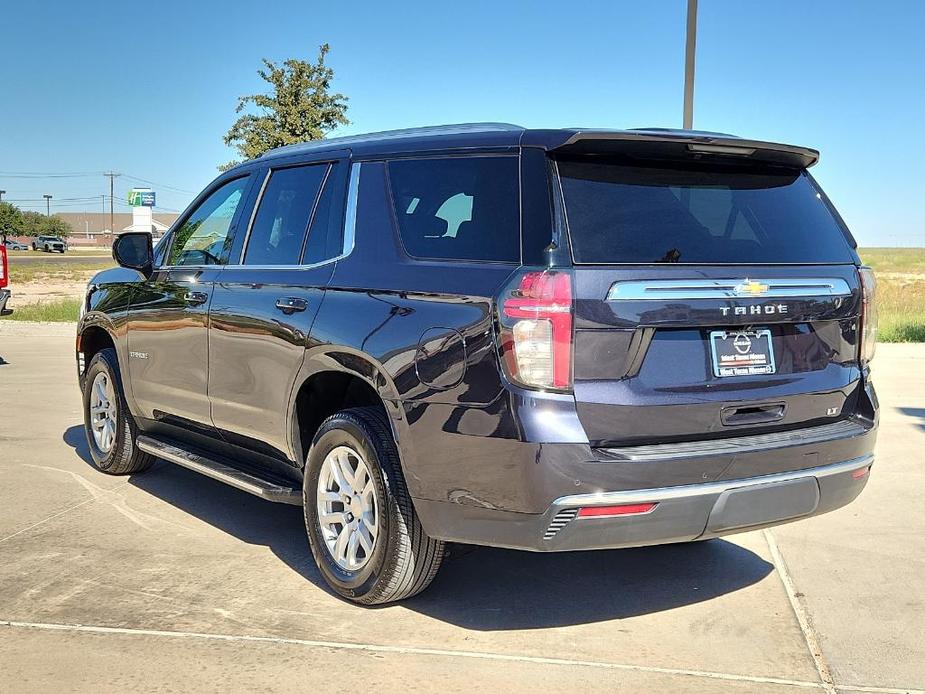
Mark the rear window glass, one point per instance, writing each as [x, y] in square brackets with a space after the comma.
[632, 214]
[458, 208]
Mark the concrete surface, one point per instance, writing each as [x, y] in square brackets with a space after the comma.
[170, 581]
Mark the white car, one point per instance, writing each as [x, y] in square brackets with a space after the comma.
[49, 244]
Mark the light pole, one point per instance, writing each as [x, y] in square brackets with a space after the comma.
[47, 204]
[689, 55]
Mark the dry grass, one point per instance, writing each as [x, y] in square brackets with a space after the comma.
[56, 271]
[56, 311]
[900, 292]
[901, 304]
[907, 261]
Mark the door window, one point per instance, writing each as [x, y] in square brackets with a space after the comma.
[204, 238]
[278, 232]
[326, 236]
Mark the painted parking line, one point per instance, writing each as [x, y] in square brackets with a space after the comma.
[410, 650]
[477, 655]
[802, 615]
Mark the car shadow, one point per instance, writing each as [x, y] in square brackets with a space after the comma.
[482, 588]
[915, 412]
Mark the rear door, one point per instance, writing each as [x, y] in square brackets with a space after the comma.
[712, 300]
[264, 305]
[168, 315]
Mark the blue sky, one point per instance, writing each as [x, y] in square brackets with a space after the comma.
[148, 89]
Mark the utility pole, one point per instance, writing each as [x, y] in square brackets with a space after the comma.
[47, 204]
[689, 55]
[112, 177]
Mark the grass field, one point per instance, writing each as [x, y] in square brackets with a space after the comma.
[900, 292]
[52, 270]
[57, 311]
[907, 261]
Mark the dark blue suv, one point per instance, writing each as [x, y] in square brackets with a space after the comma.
[538, 339]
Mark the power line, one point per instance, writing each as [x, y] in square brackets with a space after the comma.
[82, 174]
[160, 185]
[39, 174]
[85, 198]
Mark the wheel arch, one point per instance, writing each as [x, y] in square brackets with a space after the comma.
[93, 335]
[333, 379]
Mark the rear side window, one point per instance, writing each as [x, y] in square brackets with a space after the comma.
[458, 208]
[283, 214]
[660, 214]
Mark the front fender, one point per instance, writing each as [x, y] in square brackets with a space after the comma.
[106, 308]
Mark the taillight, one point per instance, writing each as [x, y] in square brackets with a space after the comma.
[868, 315]
[536, 329]
[4, 269]
[613, 511]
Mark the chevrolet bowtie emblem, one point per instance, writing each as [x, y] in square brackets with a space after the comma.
[751, 288]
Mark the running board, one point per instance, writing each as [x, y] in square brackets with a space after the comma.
[218, 471]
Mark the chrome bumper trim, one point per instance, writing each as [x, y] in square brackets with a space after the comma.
[708, 489]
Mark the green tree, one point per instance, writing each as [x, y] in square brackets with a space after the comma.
[299, 107]
[55, 226]
[32, 223]
[36, 224]
[10, 221]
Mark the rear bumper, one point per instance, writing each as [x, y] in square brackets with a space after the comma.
[681, 513]
[4, 297]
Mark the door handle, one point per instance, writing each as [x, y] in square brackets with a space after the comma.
[196, 298]
[291, 304]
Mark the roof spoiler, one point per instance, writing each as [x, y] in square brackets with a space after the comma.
[686, 145]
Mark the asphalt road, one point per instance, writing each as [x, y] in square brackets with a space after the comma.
[66, 258]
[171, 581]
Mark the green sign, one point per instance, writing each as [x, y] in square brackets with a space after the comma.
[141, 198]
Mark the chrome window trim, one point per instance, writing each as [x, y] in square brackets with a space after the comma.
[673, 290]
[350, 216]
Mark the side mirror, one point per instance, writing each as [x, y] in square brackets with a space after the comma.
[133, 250]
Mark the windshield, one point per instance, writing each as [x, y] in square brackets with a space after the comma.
[672, 214]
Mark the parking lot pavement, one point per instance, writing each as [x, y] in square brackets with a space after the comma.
[169, 580]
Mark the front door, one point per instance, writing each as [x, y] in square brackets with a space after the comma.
[263, 308]
[168, 317]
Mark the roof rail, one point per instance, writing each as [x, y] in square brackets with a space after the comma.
[454, 129]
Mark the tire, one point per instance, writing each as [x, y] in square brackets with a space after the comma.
[403, 560]
[121, 457]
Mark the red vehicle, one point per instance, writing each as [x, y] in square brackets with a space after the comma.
[4, 281]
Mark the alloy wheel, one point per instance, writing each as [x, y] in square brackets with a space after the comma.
[348, 509]
[103, 414]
